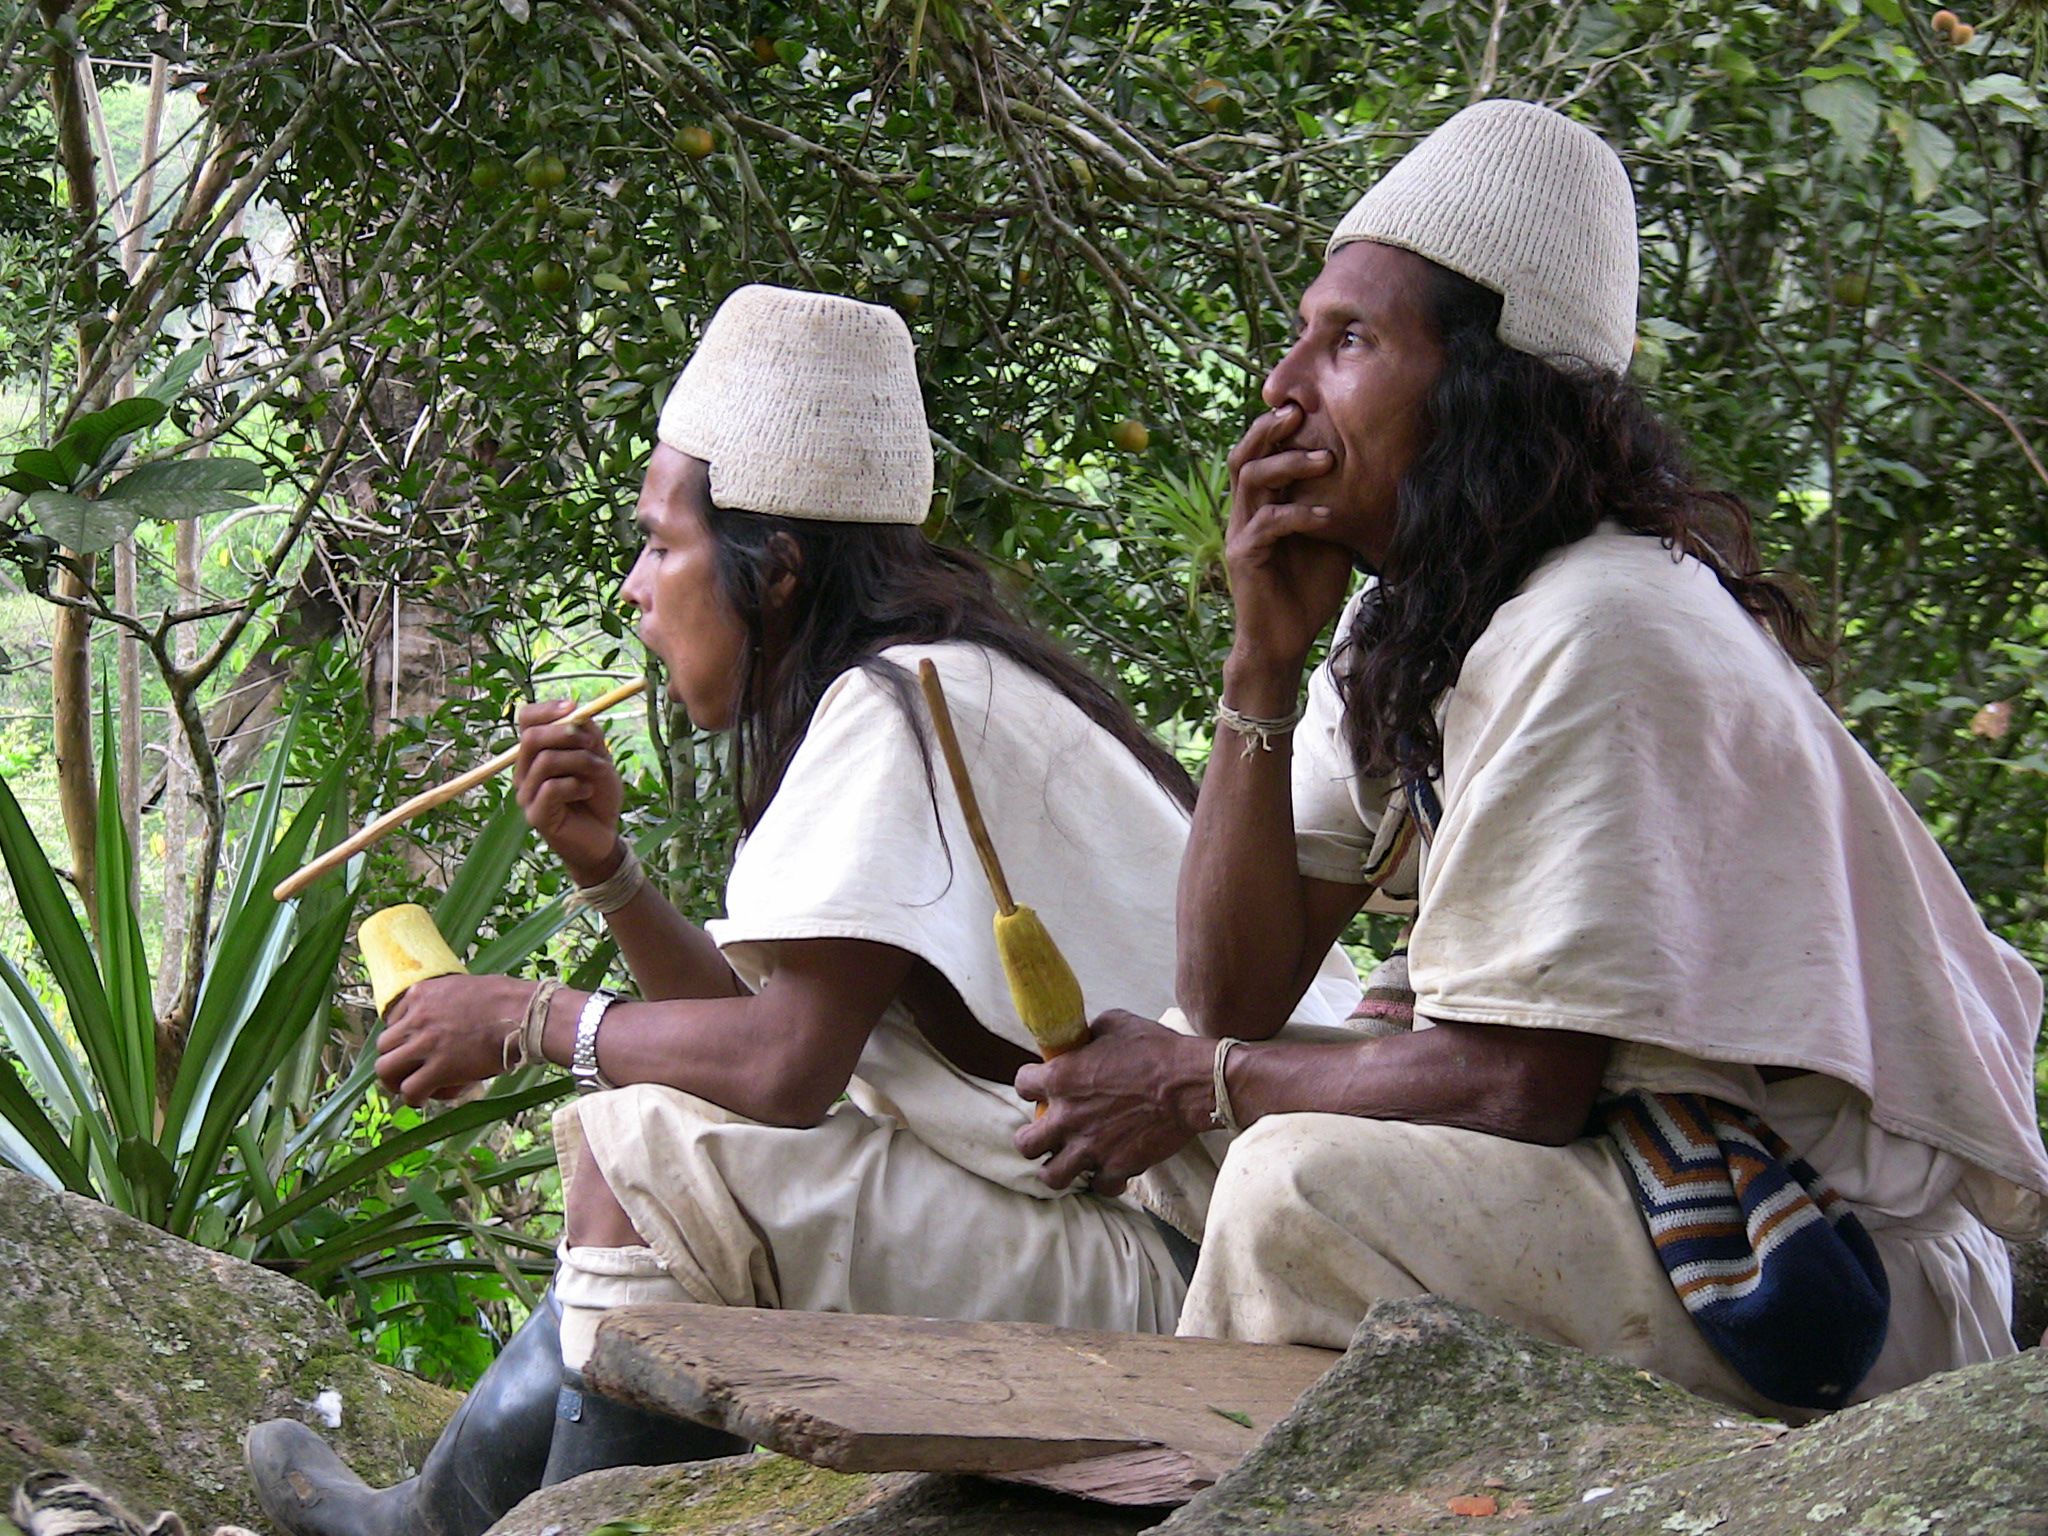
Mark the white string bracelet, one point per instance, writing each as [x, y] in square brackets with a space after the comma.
[616, 890]
[1223, 1117]
[1258, 734]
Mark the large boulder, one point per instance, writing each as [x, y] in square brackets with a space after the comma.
[136, 1359]
[1433, 1404]
[1438, 1417]
[1961, 1454]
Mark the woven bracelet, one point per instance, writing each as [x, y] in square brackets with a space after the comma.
[1223, 1117]
[1258, 734]
[616, 890]
[532, 1024]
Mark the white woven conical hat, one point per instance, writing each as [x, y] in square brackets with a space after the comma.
[806, 405]
[1530, 204]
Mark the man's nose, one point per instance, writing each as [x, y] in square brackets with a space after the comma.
[1288, 382]
[633, 590]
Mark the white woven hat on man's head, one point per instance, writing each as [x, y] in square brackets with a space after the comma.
[807, 405]
[1530, 204]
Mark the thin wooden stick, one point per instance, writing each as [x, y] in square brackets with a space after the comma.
[426, 800]
[949, 743]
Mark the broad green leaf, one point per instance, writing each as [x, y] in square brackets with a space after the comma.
[2010, 89]
[1850, 107]
[76, 523]
[1926, 150]
[1957, 217]
[175, 489]
[52, 469]
[178, 372]
[90, 437]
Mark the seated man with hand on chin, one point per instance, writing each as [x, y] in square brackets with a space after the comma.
[1715, 1067]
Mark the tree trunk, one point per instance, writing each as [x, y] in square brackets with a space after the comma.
[70, 641]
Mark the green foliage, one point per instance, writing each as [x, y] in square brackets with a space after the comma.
[97, 1130]
[1843, 291]
[79, 508]
[251, 1148]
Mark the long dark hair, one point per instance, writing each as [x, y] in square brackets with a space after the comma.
[861, 588]
[1520, 458]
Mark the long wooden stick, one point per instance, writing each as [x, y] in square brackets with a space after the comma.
[949, 744]
[426, 800]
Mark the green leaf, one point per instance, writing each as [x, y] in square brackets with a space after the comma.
[478, 1114]
[1848, 106]
[178, 372]
[149, 1173]
[1958, 217]
[1235, 1415]
[287, 1006]
[1926, 150]
[176, 489]
[52, 469]
[249, 949]
[481, 880]
[76, 523]
[31, 1143]
[2010, 89]
[90, 437]
[66, 955]
[124, 968]
[1666, 330]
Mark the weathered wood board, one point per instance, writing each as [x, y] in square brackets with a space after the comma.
[1121, 1417]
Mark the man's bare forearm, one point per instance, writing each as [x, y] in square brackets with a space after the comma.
[1241, 910]
[1527, 1084]
[669, 956]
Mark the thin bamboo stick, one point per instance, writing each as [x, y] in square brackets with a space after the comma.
[949, 744]
[440, 794]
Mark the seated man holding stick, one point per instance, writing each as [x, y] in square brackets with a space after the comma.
[811, 1105]
[1715, 1068]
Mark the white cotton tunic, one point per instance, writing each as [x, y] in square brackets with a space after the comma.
[1653, 829]
[913, 1198]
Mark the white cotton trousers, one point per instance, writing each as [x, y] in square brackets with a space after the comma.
[856, 1214]
[1316, 1217]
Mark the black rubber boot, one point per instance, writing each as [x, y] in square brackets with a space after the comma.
[593, 1432]
[490, 1456]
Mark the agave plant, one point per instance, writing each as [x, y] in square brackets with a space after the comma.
[1185, 518]
[248, 1147]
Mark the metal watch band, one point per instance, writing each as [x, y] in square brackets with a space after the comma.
[583, 1058]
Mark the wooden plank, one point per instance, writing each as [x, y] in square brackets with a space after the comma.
[1121, 1417]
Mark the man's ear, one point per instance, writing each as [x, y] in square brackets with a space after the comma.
[782, 571]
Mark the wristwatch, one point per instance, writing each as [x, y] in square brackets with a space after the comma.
[583, 1058]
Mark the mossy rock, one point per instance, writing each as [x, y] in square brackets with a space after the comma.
[1434, 1402]
[768, 1495]
[136, 1359]
[1960, 1454]
[759, 1495]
